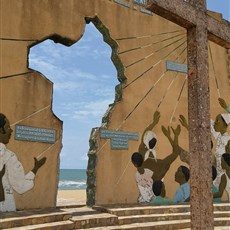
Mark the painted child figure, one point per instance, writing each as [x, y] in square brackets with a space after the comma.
[183, 192]
[219, 132]
[160, 192]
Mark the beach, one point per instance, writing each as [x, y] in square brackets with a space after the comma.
[71, 197]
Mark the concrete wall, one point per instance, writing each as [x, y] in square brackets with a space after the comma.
[24, 92]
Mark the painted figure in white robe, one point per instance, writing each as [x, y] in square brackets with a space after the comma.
[225, 178]
[219, 132]
[12, 175]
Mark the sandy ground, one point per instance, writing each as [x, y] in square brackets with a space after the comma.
[68, 197]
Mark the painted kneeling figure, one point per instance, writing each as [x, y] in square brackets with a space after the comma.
[12, 176]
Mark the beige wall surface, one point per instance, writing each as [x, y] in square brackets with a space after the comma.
[145, 42]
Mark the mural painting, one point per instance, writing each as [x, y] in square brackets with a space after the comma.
[150, 54]
[151, 170]
[149, 167]
[12, 175]
[222, 150]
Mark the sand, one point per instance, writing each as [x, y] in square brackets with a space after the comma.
[71, 197]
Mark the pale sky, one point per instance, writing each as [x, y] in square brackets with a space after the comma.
[84, 80]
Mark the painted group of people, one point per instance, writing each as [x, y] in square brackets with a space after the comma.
[151, 170]
[182, 194]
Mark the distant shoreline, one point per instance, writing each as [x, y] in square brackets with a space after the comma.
[61, 189]
[73, 169]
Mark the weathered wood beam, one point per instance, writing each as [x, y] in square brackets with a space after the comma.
[177, 11]
[218, 32]
[184, 14]
[199, 129]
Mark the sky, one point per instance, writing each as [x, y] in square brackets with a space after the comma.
[84, 79]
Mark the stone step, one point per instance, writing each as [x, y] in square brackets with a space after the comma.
[164, 217]
[222, 221]
[162, 225]
[151, 217]
[162, 209]
[94, 220]
[23, 218]
[221, 214]
[60, 225]
[220, 224]
[215, 228]
[221, 207]
[33, 217]
[143, 210]
[80, 217]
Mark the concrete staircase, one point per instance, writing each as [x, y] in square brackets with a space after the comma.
[98, 217]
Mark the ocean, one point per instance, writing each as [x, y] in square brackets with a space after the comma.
[72, 179]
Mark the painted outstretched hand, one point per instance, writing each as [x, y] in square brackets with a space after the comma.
[166, 132]
[223, 104]
[38, 164]
[183, 121]
[177, 130]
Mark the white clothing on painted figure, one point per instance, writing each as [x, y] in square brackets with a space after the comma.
[13, 179]
[145, 183]
[148, 136]
[221, 142]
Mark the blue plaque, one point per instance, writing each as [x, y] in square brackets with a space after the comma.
[146, 12]
[173, 66]
[122, 3]
[140, 2]
[28, 133]
[119, 139]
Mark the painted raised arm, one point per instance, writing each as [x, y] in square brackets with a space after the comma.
[183, 121]
[38, 164]
[167, 133]
[224, 105]
[156, 118]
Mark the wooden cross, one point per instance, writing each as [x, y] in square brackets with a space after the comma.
[192, 15]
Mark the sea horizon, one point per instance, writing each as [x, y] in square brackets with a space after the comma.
[72, 179]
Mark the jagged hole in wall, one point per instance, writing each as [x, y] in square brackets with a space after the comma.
[84, 80]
